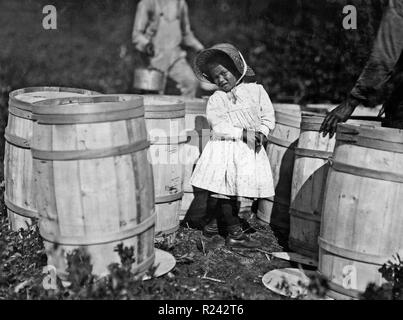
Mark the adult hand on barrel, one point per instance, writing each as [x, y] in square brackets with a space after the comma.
[149, 49]
[339, 114]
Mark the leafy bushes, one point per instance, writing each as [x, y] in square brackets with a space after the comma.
[392, 272]
[23, 258]
[298, 48]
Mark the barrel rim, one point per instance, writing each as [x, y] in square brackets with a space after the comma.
[281, 104]
[375, 133]
[88, 104]
[195, 105]
[28, 106]
[196, 110]
[186, 100]
[170, 107]
[289, 119]
[312, 121]
[168, 103]
[311, 114]
[325, 106]
[314, 115]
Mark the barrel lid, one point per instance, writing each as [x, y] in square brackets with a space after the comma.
[163, 263]
[25, 97]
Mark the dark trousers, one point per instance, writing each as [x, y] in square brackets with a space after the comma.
[394, 108]
[223, 210]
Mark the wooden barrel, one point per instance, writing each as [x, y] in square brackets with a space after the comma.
[362, 221]
[287, 107]
[308, 182]
[93, 180]
[280, 150]
[165, 121]
[19, 197]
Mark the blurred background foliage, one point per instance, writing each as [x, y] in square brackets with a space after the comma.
[298, 48]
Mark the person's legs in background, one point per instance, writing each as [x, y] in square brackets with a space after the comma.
[394, 108]
[185, 78]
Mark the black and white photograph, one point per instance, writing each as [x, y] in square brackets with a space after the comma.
[201, 154]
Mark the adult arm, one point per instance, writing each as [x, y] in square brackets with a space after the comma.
[386, 51]
[140, 38]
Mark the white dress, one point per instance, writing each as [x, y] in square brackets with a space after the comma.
[232, 167]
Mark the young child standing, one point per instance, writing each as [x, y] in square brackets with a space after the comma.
[233, 163]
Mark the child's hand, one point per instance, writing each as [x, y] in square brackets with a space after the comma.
[260, 140]
[248, 136]
[149, 49]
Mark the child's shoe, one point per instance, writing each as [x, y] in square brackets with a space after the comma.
[211, 229]
[238, 239]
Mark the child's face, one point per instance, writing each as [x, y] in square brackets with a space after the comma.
[222, 76]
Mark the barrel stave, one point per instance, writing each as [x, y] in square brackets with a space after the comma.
[194, 201]
[280, 150]
[165, 122]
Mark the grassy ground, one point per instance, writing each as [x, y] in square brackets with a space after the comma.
[204, 270]
[231, 274]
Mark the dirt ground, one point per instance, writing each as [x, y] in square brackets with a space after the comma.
[230, 274]
[204, 270]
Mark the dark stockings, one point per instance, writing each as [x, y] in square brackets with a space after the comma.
[225, 212]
